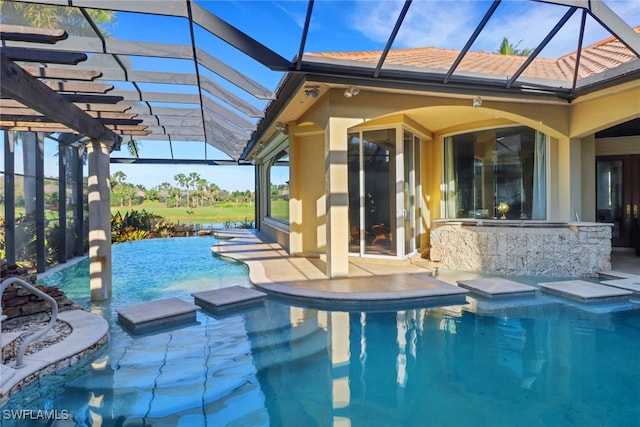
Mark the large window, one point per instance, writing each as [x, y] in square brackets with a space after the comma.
[279, 187]
[498, 173]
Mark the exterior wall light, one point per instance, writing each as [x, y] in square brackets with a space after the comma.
[477, 102]
[352, 91]
[281, 127]
[311, 92]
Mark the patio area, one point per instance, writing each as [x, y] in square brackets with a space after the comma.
[370, 282]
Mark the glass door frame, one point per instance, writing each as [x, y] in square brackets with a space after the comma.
[414, 213]
[626, 212]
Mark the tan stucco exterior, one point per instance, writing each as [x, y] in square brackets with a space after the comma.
[318, 147]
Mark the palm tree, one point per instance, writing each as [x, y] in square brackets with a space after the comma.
[118, 177]
[181, 179]
[164, 189]
[45, 16]
[175, 193]
[133, 147]
[192, 180]
[203, 188]
[507, 48]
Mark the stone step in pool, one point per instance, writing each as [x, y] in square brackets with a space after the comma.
[154, 315]
[630, 284]
[497, 287]
[224, 300]
[587, 292]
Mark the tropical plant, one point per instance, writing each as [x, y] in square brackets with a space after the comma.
[507, 48]
[48, 16]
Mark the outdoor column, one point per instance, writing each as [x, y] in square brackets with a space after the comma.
[99, 220]
[569, 180]
[9, 198]
[62, 203]
[337, 197]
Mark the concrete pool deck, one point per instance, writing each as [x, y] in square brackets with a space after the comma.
[370, 283]
[89, 332]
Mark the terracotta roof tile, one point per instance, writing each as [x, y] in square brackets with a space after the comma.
[596, 58]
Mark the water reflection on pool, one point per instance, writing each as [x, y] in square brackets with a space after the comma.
[534, 362]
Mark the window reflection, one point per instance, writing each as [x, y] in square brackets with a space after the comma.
[279, 187]
[498, 173]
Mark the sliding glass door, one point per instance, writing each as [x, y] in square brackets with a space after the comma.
[377, 187]
[372, 192]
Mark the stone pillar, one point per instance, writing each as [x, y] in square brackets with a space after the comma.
[99, 220]
[337, 197]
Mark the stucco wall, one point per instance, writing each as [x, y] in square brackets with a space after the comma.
[307, 205]
[618, 146]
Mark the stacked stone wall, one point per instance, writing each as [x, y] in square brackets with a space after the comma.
[572, 250]
[17, 301]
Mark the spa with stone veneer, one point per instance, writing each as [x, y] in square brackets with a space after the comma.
[522, 248]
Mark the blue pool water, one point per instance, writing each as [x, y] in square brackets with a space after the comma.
[532, 361]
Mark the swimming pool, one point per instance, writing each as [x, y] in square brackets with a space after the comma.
[534, 362]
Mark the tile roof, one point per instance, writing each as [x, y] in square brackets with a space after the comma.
[596, 58]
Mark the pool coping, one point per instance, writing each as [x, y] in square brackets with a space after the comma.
[89, 333]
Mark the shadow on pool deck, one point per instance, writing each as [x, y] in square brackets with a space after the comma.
[374, 283]
[625, 260]
[273, 270]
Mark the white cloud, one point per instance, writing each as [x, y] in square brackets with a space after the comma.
[428, 23]
[449, 24]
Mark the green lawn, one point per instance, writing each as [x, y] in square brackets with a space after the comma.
[205, 215]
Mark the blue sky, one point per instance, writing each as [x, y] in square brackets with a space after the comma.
[353, 26]
[340, 26]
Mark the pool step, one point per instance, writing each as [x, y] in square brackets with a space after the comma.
[587, 292]
[225, 300]
[630, 284]
[154, 315]
[497, 287]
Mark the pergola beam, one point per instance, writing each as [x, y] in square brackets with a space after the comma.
[154, 50]
[116, 108]
[84, 98]
[52, 128]
[21, 86]
[16, 113]
[62, 86]
[32, 34]
[62, 73]
[41, 55]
